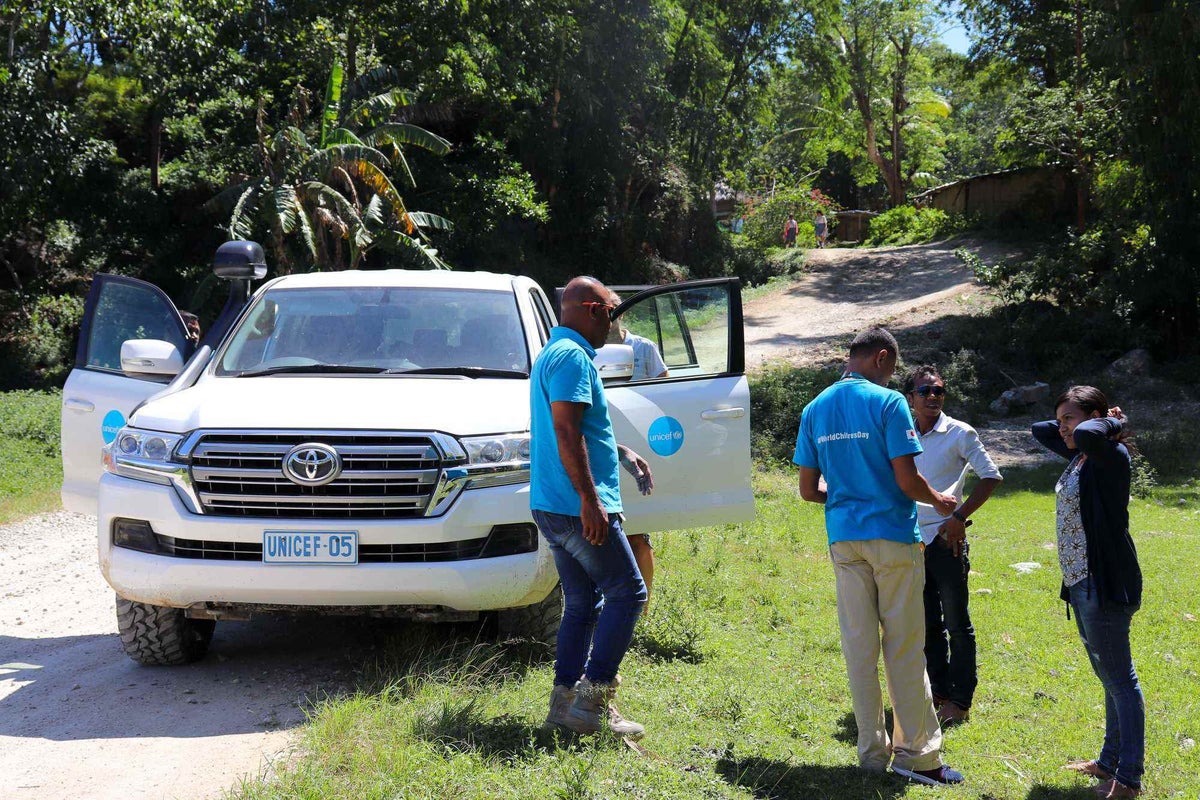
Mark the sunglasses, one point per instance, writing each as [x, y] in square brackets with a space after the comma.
[591, 306]
[931, 391]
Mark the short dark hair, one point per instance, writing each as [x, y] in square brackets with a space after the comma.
[923, 371]
[873, 340]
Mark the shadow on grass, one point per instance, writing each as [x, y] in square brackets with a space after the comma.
[462, 726]
[847, 727]
[771, 779]
[1041, 791]
[467, 654]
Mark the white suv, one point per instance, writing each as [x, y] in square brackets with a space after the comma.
[357, 442]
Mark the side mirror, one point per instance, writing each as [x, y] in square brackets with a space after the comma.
[240, 261]
[142, 358]
[615, 362]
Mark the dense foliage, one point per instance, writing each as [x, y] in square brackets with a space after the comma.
[558, 137]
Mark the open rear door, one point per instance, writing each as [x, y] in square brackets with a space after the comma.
[692, 424]
[98, 397]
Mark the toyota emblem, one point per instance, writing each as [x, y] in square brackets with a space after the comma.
[312, 464]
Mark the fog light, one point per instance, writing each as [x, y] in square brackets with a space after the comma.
[134, 534]
[510, 540]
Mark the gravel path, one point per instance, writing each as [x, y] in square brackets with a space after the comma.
[78, 719]
[813, 319]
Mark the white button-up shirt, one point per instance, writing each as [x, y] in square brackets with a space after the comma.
[949, 448]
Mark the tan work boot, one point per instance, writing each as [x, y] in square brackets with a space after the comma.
[593, 710]
[560, 700]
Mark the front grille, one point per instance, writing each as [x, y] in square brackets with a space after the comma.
[384, 476]
[462, 550]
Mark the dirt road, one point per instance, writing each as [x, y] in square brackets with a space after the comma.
[844, 290]
[80, 720]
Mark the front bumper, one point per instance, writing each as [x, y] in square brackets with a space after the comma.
[472, 585]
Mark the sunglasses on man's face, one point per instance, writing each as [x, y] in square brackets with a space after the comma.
[931, 391]
[592, 305]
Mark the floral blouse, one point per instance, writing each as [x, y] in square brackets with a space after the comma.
[1072, 543]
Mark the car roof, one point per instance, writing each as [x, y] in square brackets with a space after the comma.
[417, 278]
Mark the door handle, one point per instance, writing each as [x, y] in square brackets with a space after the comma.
[75, 404]
[723, 413]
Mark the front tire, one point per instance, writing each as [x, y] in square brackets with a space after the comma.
[538, 622]
[160, 635]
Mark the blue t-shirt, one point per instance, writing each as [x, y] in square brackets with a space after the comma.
[564, 372]
[851, 432]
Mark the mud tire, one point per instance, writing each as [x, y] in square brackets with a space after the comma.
[538, 622]
[161, 636]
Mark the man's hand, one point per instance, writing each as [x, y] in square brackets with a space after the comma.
[1116, 413]
[595, 522]
[944, 504]
[636, 466]
[954, 531]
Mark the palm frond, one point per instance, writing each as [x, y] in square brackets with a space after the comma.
[378, 108]
[284, 203]
[306, 231]
[226, 199]
[425, 220]
[241, 221]
[333, 103]
[343, 136]
[394, 240]
[333, 200]
[399, 133]
[372, 82]
[322, 163]
[378, 181]
[373, 214]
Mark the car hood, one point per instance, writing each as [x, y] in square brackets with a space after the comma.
[461, 406]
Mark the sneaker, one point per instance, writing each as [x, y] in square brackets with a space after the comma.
[951, 714]
[940, 776]
[1088, 768]
[1114, 788]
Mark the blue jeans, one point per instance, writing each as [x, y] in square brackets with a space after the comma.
[1105, 634]
[952, 671]
[603, 595]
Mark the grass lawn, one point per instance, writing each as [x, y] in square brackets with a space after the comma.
[738, 676]
[30, 469]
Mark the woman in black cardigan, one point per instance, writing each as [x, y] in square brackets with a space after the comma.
[1102, 582]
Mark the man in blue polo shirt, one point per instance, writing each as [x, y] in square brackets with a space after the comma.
[576, 501]
[861, 438]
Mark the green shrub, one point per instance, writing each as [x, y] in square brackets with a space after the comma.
[756, 266]
[40, 350]
[33, 418]
[907, 225]
[777, 396]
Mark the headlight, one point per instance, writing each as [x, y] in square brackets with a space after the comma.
[488, 450]
[143, 455]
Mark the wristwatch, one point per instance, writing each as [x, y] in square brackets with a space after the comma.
[958, 516]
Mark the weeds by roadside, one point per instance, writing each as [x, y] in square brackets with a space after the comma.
[30, 469]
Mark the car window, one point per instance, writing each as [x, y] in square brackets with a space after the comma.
[683, 333]
[129, 311]
[384, 327]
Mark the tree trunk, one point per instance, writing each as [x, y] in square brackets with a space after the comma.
[154, 123]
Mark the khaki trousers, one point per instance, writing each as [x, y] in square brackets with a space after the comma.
[880, 584]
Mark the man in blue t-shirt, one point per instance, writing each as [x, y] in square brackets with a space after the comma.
[860, 437]
[576, 501]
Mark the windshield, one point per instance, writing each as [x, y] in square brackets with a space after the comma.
[376, 329]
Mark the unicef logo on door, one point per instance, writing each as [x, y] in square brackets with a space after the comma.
[665, 436]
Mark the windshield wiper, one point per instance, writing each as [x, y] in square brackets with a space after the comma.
[470, 372]
[312, 368]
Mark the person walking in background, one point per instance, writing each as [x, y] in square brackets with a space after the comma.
[575, 497]
[861, 438]
[949, 447]
[1102, 582]
[789, 231]
[821, 227]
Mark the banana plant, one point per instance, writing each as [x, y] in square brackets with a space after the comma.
[336, 196]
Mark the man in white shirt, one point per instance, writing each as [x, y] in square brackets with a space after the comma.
[949, 448]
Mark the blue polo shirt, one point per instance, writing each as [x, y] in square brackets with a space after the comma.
[564, 372]
[851, 432]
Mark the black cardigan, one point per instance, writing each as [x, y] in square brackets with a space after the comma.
[1104, 507]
